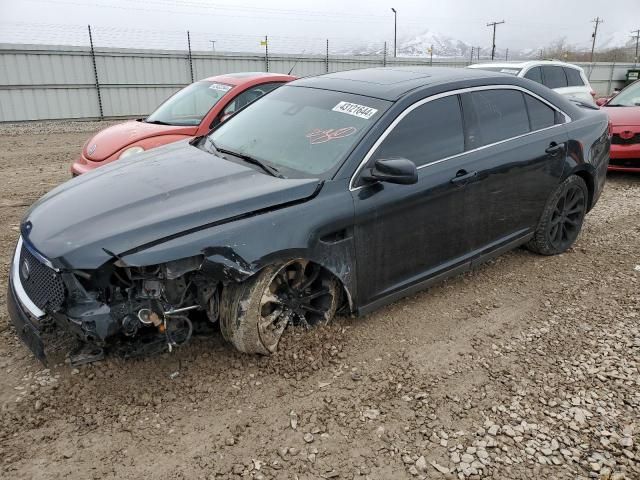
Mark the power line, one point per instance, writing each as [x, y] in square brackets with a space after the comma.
[493, 48]
[597, 22]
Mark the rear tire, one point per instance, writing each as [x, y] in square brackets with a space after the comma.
[255, 313]
[562, 218]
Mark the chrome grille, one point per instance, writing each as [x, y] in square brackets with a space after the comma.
[42, 284]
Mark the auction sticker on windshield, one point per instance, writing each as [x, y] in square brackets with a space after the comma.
[361, 111]
[220, 87]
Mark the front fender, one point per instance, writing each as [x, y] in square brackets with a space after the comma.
[319, 230]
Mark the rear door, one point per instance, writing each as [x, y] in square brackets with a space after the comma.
[517, 144]
[554, 77]
[576, 86]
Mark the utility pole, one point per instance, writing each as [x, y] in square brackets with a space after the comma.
[597, 22]
[95, 73]
[213, 45]
[431, 55]
[478, 50]
[494, 25]
[395, 31]
[326, 59]
[189, 56]
[637, 38]
[384, 55]
[506, 55]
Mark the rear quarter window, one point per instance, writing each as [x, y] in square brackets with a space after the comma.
[554, 77]
[574, 79]
[541, 115]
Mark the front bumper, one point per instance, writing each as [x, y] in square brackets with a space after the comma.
[625, 158]
[27, 326]
[84, 165]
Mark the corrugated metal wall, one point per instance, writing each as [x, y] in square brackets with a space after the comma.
[51, 82]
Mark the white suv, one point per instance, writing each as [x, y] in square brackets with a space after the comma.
[566, 79]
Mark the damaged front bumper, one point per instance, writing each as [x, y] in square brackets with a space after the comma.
[27, 325]
[145, 313]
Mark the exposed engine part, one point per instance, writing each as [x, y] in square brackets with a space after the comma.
[149, 317]
[130, 325]
[120, 308]
[178, 330]
[151, 289]
[175, 311]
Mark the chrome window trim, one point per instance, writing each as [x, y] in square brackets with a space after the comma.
[17, 284]
[39, 256]
[419, 103]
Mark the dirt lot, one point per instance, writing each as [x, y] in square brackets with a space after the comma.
[525, 368]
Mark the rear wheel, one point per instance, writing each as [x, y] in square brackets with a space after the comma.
[562, 218]
[255, 313]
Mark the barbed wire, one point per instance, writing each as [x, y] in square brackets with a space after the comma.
[213, 41]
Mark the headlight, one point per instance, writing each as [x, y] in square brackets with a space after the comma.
[131, 151]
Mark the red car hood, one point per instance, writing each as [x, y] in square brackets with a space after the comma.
[623, 116]
[108, 141]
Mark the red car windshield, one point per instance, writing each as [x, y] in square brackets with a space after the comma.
[629, 97]
[189, 105]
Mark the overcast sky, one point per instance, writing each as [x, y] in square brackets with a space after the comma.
[529, 23]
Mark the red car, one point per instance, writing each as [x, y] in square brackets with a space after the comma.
[190, 112]
[624, 113]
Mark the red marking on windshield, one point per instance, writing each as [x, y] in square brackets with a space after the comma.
[321, 136]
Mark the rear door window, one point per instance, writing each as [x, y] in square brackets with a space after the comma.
[493, 115]
[574, 79]
[430, 132]
[554, 77]
[541, 115]
[534, 74]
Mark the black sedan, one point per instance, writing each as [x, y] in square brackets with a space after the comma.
[340, 192]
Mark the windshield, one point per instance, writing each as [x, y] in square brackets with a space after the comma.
[189, 105]
[507, 70]
[300, 131]
[629, 97]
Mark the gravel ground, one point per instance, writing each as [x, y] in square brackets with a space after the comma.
[527, 367]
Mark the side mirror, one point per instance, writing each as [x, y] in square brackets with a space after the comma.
[601, 101]
[392, 170]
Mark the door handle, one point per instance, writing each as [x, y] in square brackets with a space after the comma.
[463, 177]
[554, 148]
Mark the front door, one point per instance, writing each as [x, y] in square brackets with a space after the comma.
[403, 231]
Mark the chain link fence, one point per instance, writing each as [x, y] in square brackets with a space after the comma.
[92, 71]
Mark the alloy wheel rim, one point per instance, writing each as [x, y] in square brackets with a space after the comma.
[299, 294]
[567, 217]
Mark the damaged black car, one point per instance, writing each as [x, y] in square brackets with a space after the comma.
[341, 192]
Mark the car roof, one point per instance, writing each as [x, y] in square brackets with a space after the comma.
[526, 64]
[242, 78]
[390, 83]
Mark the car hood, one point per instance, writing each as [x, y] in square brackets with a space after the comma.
[623, 116]
[127, 204]
[108, 141]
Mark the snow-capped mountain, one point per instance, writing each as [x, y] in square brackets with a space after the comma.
[443, 46]
[614, 40]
